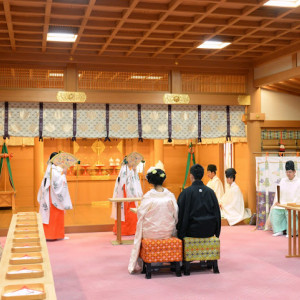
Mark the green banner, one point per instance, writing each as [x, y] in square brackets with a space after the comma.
[4, 151]
[191, 153]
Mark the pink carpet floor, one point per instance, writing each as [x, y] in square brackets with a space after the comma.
[252, 266]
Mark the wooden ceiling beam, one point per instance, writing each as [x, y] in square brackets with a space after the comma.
[280, 76]
[285, 87]
[46, 24]
[173, 5]
[87, 14]
[125, 16]
[290, 83]
[118, 61]
[275, 55]
[9, 24]
[27, 3]
[197, 20]
[276, 89]
[266, 23]
[231, 22]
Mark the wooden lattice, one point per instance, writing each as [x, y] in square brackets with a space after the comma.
[128, 81]
[213, 83]
[27, 77]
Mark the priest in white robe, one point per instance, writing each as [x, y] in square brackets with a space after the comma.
[289, 193]
[54, 199]
[215, 183]
[232, 203]
[157, 216]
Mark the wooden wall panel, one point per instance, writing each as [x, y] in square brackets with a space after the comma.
[90, 196]
[175, 159]
[241, 164]
[22, 170]
[211, 154]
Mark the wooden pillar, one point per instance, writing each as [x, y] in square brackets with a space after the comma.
[38, 160]
[135, 145]
[196, 153]
[71, 78]
[175, 82]
[158, 151]
[151, 162]
[254, 143]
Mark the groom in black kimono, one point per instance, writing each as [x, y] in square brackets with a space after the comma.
[199, 213]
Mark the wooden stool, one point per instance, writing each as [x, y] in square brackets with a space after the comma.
[202, 249]
[161, 251]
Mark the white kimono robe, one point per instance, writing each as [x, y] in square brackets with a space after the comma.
[157, 219]
[129, 178]
[289, 193]
[217, 186]
[233, 208]
[59, 192]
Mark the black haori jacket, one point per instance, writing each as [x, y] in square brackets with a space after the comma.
[199, 212]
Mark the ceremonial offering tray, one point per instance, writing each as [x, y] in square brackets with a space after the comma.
[24, 272]
[26, 224]
[26, 258]
[24, 292]
[25, 230]
[26, 238]
[26, 247]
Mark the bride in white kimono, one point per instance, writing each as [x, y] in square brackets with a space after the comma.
[232, 203]
[157, 215]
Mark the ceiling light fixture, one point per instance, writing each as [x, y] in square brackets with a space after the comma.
[56, 74]
[138, 77]
[145, 77]
[61, 37]
[213, 45]
[154, 77]
[283, 3]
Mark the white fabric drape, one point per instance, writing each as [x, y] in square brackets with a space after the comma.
[23, 121]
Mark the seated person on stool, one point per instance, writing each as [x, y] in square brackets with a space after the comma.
[157, 215]
[232, 203]
[289, 193]
[199, 212]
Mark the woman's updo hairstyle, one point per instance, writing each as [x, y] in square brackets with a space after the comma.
[230, 173]
[156, 177]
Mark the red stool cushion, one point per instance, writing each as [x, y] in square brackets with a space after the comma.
[167, 250]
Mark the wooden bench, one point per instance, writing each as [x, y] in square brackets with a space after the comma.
[26, 234]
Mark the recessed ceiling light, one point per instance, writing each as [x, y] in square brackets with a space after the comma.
[154, 77]
[61, 37]
[56, 74]
[283, 3]
[213, 45]
[145, 77]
